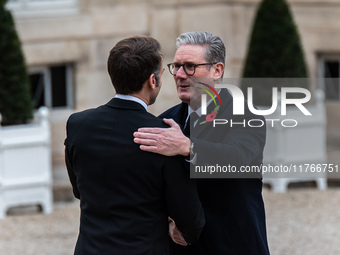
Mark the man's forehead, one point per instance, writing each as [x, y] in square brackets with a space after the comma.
[189, 53]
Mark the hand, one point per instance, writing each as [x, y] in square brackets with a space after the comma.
[166, 141]
[175, 234]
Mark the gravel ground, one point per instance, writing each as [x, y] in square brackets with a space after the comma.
[303, 221]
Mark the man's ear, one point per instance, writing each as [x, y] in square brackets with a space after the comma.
[218, 70]
[152, 81]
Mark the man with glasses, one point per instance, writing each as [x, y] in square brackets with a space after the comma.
[234, 208]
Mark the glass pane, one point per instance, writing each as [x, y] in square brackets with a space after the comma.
[331, 69]
[58, 82]
[37, 89]
[332, 80]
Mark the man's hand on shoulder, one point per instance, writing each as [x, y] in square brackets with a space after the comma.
[166, 141]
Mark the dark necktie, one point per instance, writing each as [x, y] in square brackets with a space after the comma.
[190, 123]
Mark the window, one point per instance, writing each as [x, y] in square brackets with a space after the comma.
[330, 73]
[52, 86]
[44, 7]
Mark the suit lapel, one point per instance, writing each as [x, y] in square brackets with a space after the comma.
[226, 99]
[180, 114]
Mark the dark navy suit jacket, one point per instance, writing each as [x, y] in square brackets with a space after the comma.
[126, 194]
[233, 207]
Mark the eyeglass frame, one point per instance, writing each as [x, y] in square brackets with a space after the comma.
[195, 65]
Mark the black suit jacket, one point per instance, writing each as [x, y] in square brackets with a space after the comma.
[126, 194]
[234, 209]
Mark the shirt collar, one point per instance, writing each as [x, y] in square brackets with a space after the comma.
[199, 111]
[132, 98]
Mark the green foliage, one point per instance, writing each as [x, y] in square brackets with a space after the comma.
[16, 105]
[2, 3]
[274, 50]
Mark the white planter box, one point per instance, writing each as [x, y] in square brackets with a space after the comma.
[25, 165]
[293, 147]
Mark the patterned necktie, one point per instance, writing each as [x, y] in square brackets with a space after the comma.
[190, 123]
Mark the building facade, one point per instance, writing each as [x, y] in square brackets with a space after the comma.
[66, 44]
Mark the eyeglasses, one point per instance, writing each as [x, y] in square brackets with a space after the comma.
[188, 68]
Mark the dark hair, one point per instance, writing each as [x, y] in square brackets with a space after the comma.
[132, 61]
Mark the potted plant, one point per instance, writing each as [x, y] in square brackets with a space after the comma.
[25, 164]
[275, 59]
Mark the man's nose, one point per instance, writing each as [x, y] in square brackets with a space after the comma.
[181, 74]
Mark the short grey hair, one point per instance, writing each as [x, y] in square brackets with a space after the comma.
[214, 47]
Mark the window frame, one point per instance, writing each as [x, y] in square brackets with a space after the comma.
[322, 62]
[47, 77]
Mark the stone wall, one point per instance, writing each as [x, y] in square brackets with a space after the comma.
[85, 37]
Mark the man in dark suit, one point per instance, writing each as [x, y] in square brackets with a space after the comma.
[126, 194]
[233, 207]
